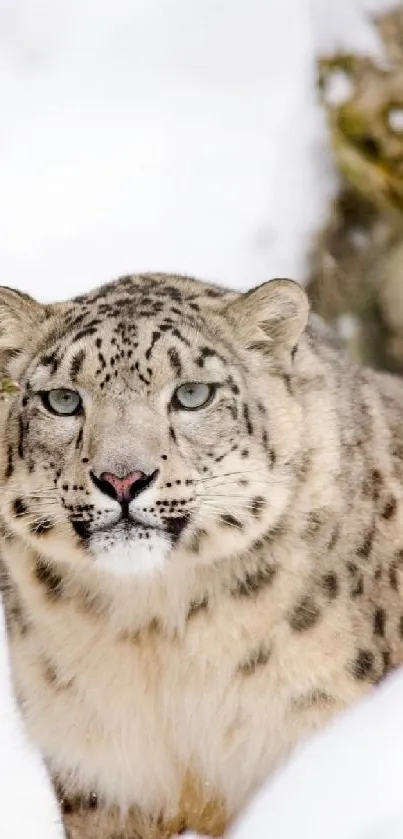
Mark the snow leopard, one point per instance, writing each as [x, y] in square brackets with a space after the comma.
[201, 542]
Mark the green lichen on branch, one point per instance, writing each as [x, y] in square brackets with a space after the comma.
[7, 387]
[356, 266]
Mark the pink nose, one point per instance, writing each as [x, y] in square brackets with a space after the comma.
[123, 487]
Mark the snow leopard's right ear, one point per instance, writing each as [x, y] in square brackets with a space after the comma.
[20, 317]
[271, 317]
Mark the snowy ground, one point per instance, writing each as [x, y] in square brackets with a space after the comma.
[178, 135]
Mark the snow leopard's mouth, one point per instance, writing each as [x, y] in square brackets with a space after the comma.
[125, 526]
[129, 546]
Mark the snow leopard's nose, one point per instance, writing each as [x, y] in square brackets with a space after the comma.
[125, 488]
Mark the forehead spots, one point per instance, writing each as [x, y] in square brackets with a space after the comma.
[156, 335]
[76, 365]
[132, 314]
[247, 420]
[204, 353]
[175, 362]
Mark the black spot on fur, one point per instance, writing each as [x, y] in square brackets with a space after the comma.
[401, 627]
[330, 585]
[390, 508]
[13, 610]
[50, 579]
[272, 457]
[175, 362]
[10, 464]
[76, 365]
[196, 540]
[393, 570]
[256, 658]
[49, 672]
[204, 353]
[363, 665]
[247, 419]
[334, 538]
[257, 506]
[230, 521]
[305, 615]
[377, 482]
[255, 581]
[81, 528]
[41, 527]
[358, 587]
[287, 383]
[308, 700]
[379, 622]
[84, 333]
[79, 803]
[19, 508]
[365, 548]
[197, 606]
[314, 522]
[51, 360]
[386, 663]
[20, 438]
[175, 526]
[372, 484]
[51, 676]
[156, 335]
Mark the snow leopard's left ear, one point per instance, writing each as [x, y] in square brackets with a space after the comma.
[271, 317]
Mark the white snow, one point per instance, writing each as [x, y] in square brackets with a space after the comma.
[27, 807]
[179, 135]
[156, 134]
[345, 783]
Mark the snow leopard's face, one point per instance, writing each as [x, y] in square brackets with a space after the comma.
[155, 420]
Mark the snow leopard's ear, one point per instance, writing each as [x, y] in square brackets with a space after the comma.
[271, 317]
[20, 317]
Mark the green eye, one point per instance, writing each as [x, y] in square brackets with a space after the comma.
[193, 395]
[62, 401]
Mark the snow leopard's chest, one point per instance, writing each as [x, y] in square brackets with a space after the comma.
[131, 718]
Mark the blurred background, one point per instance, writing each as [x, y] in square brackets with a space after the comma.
[233, 140]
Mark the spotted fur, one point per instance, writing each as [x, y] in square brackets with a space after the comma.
[168, 651]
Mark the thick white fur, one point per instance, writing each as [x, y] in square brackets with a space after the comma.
[344, 783]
